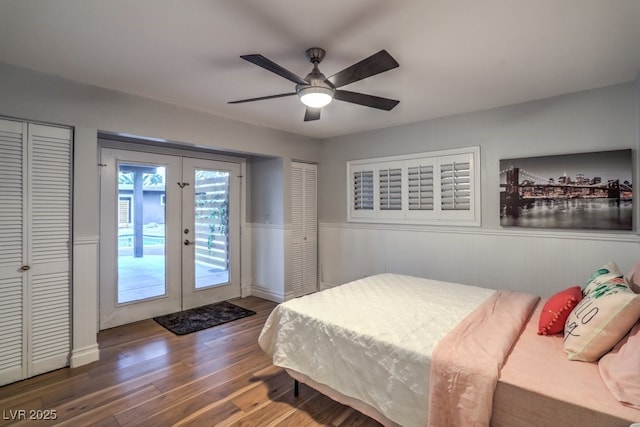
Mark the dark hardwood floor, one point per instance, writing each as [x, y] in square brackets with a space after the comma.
[148, 376]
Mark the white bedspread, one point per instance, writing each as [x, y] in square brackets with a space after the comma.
[371, 339]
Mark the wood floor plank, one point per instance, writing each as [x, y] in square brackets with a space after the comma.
[268, 386]
[147, 376]
[104, 414]
[194, 394]
[87, 412]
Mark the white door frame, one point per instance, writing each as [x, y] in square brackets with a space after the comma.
[111, 312]
[192, 297]
[177, 297]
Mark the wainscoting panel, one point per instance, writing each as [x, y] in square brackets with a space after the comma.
[267, 261]
[85, 301]
[537, 262]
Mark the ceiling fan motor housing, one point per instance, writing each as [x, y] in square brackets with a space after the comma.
[315, 54]
[315, 78]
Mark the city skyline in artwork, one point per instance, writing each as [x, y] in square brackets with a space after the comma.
[574, 191]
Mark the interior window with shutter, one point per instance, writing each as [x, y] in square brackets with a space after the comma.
[363, 190]
[420, 191]
[437, 188]
[455, 183]
[390, 189]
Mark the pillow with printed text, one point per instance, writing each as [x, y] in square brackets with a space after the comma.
[603, 317]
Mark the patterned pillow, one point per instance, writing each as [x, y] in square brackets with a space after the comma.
[600, 320]
[556, 310]
[601, 275]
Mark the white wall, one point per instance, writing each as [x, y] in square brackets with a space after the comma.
[35, 96]
[267, 188]
[537, 261]
[267, 219]
[269, 243]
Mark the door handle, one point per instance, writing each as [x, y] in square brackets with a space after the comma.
[187, 242]
[25, 268]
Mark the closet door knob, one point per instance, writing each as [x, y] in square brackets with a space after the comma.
[25, 268]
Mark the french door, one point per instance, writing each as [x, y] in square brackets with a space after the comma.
[169, 234]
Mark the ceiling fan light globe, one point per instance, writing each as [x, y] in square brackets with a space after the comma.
[315, 97]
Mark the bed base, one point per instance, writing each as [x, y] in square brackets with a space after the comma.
[513, 407]
[356, 404]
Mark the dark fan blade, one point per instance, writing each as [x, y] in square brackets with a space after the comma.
[268, 64]
[281, 95]
[366, 100]
[375, 64]
[312, 114]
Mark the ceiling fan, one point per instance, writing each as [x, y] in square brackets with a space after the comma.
[316, 91]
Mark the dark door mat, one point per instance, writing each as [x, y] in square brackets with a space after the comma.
[199, 318]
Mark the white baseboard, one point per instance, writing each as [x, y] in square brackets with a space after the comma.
[266, 293]
[83, 356]
[324, 286]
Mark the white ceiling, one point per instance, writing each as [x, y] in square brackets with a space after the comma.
[455, 55]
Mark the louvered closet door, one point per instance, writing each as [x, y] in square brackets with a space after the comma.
[310, 224]
[49, 223]
[35, 230]
[13, 136]
[304, 233]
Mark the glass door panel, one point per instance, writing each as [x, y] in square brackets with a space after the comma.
[140, 245]
[141, 232]
[170, 234]
[211, 232]
[211, 219]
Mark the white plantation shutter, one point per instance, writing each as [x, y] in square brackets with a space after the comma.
[426, 188]
[390, 181]
[35, 231]
[455, 183]
[420, 187]
[363, 190]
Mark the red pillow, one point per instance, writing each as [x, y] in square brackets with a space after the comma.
[557, 309]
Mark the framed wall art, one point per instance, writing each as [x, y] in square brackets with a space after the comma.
[571, 191]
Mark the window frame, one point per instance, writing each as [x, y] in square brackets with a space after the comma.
[435, 216]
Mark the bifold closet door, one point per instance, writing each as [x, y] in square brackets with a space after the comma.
[35, 260]
[304, 230]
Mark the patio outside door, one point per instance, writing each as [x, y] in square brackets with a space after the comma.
[169, 234]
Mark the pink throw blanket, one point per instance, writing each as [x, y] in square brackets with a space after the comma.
[466, 363]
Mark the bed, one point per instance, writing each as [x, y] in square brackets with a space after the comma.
[414, 352]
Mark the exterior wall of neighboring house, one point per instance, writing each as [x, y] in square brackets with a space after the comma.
[153, 206]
